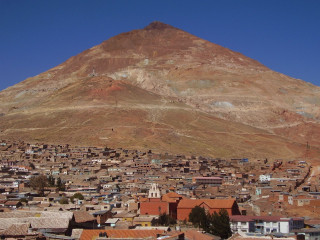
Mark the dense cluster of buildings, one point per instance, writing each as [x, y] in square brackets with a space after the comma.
[123, 192]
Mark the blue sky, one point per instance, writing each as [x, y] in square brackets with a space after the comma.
[36, 35]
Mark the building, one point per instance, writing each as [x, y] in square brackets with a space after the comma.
[210, 205]
[120, 234]
[156, 204]
[307, 233]
[242, 223]
[265, 224]
[264, 178]
[215, 181]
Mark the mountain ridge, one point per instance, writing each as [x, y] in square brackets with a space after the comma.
[177, 71]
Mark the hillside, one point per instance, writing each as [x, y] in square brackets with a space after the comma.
[164, 89]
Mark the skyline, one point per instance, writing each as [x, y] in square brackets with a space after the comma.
[38, 35]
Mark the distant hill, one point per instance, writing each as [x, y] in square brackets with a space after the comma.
[164, 89]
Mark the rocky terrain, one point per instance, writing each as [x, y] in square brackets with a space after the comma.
[165, 89]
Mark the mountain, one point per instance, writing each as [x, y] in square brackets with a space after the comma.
[164, 89]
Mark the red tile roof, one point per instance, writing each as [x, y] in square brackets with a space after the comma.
[88, 234]
[212, 203]
[195, 235]
[171, 197]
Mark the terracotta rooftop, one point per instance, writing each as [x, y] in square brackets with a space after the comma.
[171, 195]
[195, 235]
[238, 237]
[212, 203]
[88, 234]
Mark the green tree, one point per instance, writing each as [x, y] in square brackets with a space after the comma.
[219, 224]
[60, 185]
[24, 200]
[51, 181]
[198, 217]
[39, 183]
[32, 166]
[64, 200]
[78, 195]
[165, 220]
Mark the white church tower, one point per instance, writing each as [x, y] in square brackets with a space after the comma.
[154, 192]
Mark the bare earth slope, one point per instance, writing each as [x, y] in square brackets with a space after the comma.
[164, 89]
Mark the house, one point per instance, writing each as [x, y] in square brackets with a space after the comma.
[125, 216]
[102, 216]
[214, 181]
[156, 204]
[242, 223]
[83, 219]
[211, 205]
[265, 224]
[144, 221]
[45, 221]
[265, 178]
[20, 231]
[120, 234]
[307, 233]
[12, 204]
[111, 222]
[197, 235]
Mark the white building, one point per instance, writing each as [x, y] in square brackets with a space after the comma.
[265, 224]
[240, 223]
[265, 178]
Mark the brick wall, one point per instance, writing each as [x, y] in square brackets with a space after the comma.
[183, 213]
[153, 208]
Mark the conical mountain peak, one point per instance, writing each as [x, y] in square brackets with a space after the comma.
[163, 88]
[158, 26]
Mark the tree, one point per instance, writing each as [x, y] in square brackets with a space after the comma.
[198, 217]
[39, 183]
[144, 190]
[165, 220]
[78, 195]
[219, 224]
[24, 200]
[51, 181]
[60, 185]
[64, 200]
[32, 166]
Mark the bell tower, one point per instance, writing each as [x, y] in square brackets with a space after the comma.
[154, 192]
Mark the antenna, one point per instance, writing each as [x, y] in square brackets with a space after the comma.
[93, 74]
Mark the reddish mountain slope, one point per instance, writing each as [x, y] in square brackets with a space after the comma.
[165, 89]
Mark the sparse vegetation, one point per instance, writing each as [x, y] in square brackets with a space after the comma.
[64, 200]
[165, 220]
[217, 223]
[39, 183]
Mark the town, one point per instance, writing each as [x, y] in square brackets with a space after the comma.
[69, 192]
